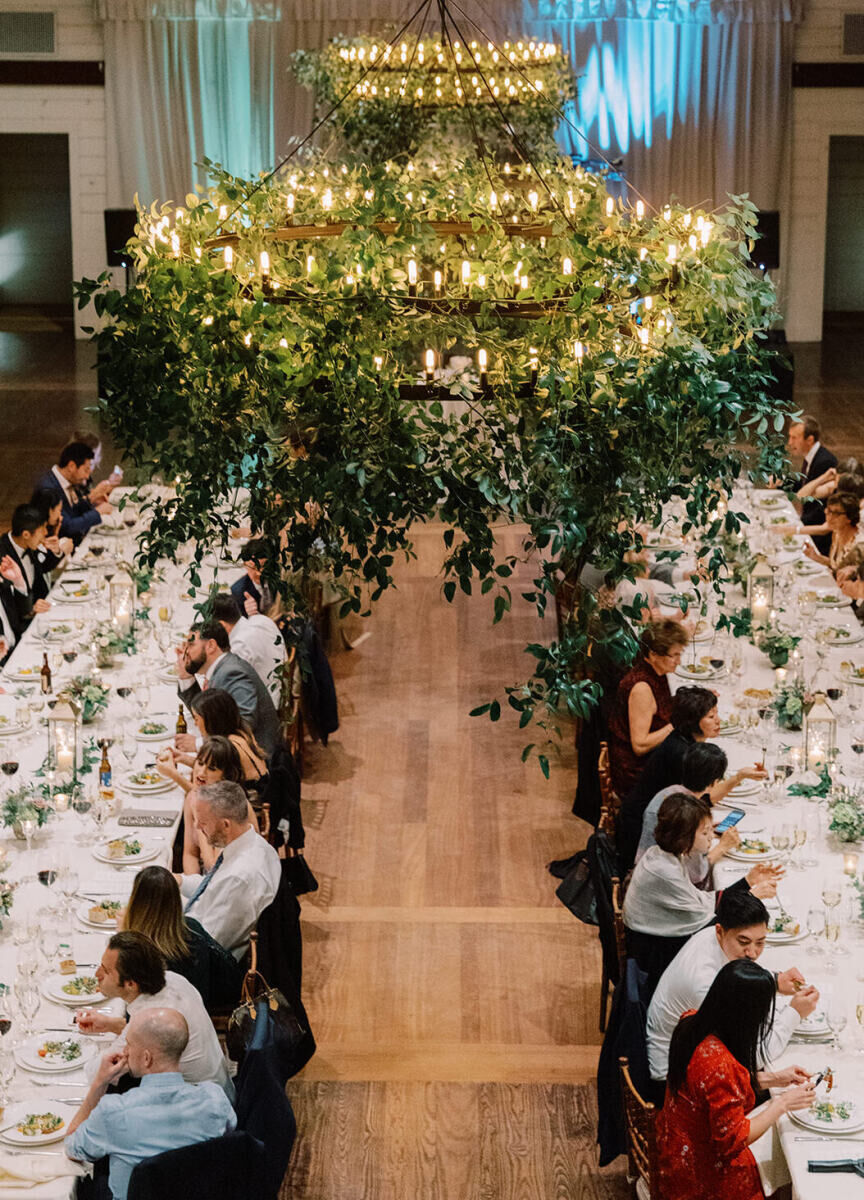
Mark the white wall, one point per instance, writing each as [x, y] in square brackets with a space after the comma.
[78, 112]
[817, 115]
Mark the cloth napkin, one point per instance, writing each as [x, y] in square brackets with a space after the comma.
[28, 1171]
[770, 1159]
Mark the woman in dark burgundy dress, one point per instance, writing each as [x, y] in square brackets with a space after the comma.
[703, 1130]
[640, 718]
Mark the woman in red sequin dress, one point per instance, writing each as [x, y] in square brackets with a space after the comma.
[703, 1130]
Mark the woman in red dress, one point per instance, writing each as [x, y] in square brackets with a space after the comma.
[641, 715]
[703, 1131]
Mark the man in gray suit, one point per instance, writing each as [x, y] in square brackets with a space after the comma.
[207, 652]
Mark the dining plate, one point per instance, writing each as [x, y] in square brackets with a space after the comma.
[676, 599]
[8, 726]
[59, 1053]
[145, 783]
[109, 924]
[55, 988]
[698, 671]
[832, 600]
[168, 673]
[835, 1123]
[747, 787]
[119, 853]
[756, 856]
[60, 631]
[840, 635]
[771, 501]
[806, 566]
[26, 674]
[730, 728]
[163, 734]
[17, 1114]
[74, 591]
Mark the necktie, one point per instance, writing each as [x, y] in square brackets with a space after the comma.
[205, 882]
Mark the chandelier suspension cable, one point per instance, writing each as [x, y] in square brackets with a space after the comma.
[546, 99]
[516, 140]
[423, 7]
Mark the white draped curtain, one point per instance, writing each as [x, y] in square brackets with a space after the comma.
[693, 95]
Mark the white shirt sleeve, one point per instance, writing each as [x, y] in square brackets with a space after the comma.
[786, 1021]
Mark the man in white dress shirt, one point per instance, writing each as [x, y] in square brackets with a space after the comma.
[229, 899]
[256, 639]
[133, 970]
[742, 925]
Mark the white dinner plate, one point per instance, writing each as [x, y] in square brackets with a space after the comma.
[774, 501]
[783, 939]
[66, 592]
[129, 784]
[11, 727]
[832, 600]
[806, 566]
[19, 1112]
[25, 674]
[166, 719]
[168, 674]
[100, 853]
[60, 632]
[837, 639]
[85, 919]
[850, 677]
[747, 787]
[699, 673]
[836, 1128]
[760, 857]
[54, 984]
[730, 728]
[673, 599]
[27, 1054]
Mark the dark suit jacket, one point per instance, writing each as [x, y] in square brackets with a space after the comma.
[236, 677]
[813, 511]
[15, 607]
[245, 587]
[77, 519]
[40, 587]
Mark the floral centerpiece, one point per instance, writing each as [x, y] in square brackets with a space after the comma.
[790, 703]
[24, 804]
[847, 820]
[87, 694]
[7, 891]
[108, 641]
[777, 646]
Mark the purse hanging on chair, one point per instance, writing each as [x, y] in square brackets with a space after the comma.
[298, 872]
[265, 1020]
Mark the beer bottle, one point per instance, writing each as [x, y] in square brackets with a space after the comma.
[181, 726]
[105, 769]
[45, 676]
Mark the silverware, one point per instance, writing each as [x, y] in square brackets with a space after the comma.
[839, 1139]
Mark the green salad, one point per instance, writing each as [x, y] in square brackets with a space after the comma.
[67, 1050]
[81, 985]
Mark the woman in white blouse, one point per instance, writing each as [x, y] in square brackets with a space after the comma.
[663, 907]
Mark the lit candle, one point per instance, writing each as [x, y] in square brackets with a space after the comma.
[850, 863]
[65, 759]
[379, 363]
[61, 802]
[523, 282]
[816, 754]
[760, 605]
[175, 244]
[430, 365]
[124, 618]
[327, 199]
[482, 363]
[780, 675]
[291, 203]
[672, 252]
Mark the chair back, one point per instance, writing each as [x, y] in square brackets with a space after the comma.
[290, 712]
[609, 798]
[640, 1119]
[618, 923]
[233, 1167]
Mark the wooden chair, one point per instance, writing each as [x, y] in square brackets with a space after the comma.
[639, 1119]
[621, 950]
[611, 801]
[290, 712]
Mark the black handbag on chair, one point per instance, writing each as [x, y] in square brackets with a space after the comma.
[265, 1020]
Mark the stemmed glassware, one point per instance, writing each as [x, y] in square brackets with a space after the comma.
[28, 1000]
[816, 928]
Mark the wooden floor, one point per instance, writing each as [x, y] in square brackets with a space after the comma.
[454, 1000]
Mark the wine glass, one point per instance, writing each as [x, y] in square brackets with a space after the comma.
[9, 766]
[28, 1000]
[7, 1071]
[99, 813]
[780, 840]
[70, 652]
[81, 804]
[29, 826]
[129, 746]
[835, 1011]
[816, 927]
[67, 884]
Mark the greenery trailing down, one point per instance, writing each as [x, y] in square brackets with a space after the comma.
[813, 791]
[293, 417]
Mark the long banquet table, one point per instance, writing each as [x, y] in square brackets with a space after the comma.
[771, 811]
[68, 838]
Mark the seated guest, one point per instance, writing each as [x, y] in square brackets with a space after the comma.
[703, 1129]
[702, 772]
[804, 440]
[14, 602]
[640, 716]
[252, 594]
[73, 468]
[663, 907]
[133, 970]
[99, 491]
[842, 520]
[207, 652]
[216, 714]
[217, 759]
[54, 549]
[256, 639]
[22, 544]
[244, 879]
[742, 925]
[156, 910]
[164, 1113]
[694, 718]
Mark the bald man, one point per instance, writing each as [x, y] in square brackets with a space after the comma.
[164, 1113]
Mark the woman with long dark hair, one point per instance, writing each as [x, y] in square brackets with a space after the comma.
[216, 714]
[703, 1130]
[155, 908]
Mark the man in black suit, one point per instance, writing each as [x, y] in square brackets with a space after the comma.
[250, 592]
[73, 468]
[207, 652]
[14, 604]
[21, 544]
[804, 440]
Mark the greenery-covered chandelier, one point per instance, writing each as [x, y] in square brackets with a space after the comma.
[297, 336]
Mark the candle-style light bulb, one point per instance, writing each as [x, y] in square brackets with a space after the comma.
[310, 263]
[644, 335]
[692, 241]
[640, 210]
[327, 199]
[610, 206]
[223, 212]
[578, 351]
[672, 252]
[229, 257]
[523, 282]
[264, 261]
[643, 253]
[493, 200]
[649, 302]
[533, 200]
[175, 244]
[412, 277]
[667, 213]
[430, 365]
[466, 272]
[437, 277]
[482, 362]
[567, 266]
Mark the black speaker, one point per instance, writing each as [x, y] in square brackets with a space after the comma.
[767, 251]
[119, 228]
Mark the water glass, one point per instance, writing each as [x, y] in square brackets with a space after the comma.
[815, 927]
